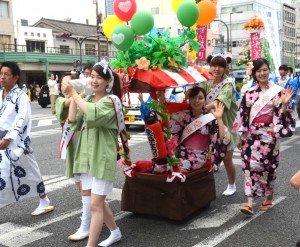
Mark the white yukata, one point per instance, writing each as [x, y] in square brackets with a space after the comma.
[20, 176]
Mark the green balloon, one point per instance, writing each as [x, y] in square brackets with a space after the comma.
[122, 37]
[142, 22]
[187, 13]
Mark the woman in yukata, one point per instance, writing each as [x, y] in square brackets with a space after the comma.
[67, 147]
[263, 118]
[20, 176]
[196, 129]
[223, 90]
[100, 118]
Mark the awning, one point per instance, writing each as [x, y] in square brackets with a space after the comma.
[145, 80]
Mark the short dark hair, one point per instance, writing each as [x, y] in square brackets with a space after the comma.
[218, 61]
[88, 66]
[291, 69]
[14, 67]
[196, 90]
[284, 67]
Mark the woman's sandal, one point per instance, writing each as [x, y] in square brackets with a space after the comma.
[266, 205]
[246, 209]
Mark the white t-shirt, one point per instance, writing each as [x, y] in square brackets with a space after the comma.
[53, 87]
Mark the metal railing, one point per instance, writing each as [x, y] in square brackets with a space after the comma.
[54, 50]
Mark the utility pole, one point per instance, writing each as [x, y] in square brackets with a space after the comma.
[98, 20]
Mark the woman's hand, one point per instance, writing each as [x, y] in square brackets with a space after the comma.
[218, 110]
[286, 96]
[66, 87]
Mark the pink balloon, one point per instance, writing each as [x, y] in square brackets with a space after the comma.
[125, 9]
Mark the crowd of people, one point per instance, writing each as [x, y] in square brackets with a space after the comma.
[91, 124]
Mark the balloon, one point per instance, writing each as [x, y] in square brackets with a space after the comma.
[125, 9]
[187, 13]
[208, 13]
[122, 37]
[109, 24]
[142, 22]
[175, 4]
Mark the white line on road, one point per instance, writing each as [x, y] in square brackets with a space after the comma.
[216, 238]
[216, 218]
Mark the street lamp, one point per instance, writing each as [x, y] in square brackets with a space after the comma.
[98, 16]
[238, 12]
[227, 29]
[80, 42]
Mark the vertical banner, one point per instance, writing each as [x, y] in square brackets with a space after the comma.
[270, 19]
[201, 38]
[255, 46]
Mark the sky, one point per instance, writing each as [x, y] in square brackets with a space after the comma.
[77, 10]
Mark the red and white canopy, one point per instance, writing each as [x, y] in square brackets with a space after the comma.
[161, 79]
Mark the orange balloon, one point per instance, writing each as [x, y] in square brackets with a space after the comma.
[208, 13]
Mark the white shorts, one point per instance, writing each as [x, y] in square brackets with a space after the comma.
[98, 186]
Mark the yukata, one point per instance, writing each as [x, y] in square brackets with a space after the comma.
[225, 93]
[96, 150]
[20, 176]
[66, 150]
[193, 151]
[260, 140]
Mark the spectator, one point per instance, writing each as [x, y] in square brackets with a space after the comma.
[53, 90]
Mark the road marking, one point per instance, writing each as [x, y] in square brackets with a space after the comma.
[216, 218]
[44, 122]
[13, 235]
[217, 238]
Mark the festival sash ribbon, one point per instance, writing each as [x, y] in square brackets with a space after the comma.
[216, 90]
[195, 125]
[263, 100]
[65, 140]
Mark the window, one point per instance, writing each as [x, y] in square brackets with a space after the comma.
[90, 49]
[35, 46]
[25, 33]
[5, 43]
[103, 49]
[38, 34]
[209, 43]
[32, 34]
[155, 11]
[64, 49]
[44, 35]
[4, 9]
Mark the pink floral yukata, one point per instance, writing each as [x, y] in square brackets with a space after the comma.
[193, 151]
[260, 141]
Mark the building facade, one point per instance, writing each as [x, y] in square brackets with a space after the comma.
[6, 24]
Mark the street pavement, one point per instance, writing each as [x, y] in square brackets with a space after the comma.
[221, 224]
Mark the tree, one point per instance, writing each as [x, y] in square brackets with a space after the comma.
[245, 54]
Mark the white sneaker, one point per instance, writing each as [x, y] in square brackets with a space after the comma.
[79, 235]
[293, 129]
[231, 189]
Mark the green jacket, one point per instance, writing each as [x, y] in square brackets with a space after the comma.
[97, 143]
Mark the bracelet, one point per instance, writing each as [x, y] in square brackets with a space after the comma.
[72, 92]
[77, 97]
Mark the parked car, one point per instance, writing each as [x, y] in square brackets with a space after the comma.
[44, 97]
[239, 75]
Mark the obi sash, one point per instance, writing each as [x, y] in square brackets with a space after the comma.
[197, 141]
[195, 125]
[263, 100]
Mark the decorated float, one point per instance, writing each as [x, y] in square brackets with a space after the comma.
[157, 62]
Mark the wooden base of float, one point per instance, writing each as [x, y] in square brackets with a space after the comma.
[150, 194]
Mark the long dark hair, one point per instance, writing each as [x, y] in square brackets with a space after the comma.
[116, 89]
[257, 64]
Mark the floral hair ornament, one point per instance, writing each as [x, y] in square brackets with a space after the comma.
[104, 63]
